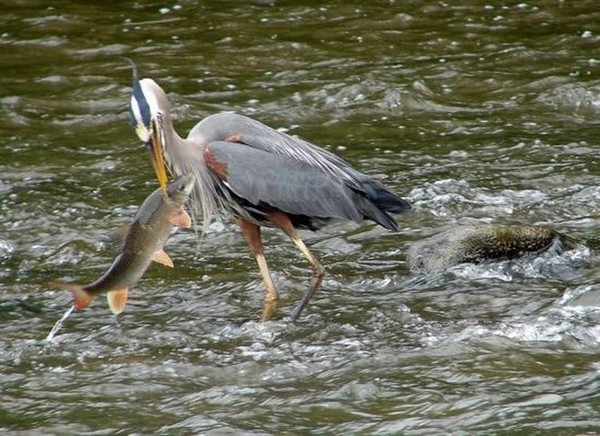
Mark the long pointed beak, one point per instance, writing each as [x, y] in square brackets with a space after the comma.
[155, 147]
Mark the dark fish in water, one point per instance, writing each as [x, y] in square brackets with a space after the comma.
[143, 244]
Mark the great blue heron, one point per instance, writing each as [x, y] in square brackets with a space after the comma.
[260, 176]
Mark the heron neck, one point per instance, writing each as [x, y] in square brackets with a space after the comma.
[171, 136]
[173, 145]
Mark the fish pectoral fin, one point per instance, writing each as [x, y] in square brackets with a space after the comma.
[117, 300]
[181, 219]
[81, 298]
[162, 257]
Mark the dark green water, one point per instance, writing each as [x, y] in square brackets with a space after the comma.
[476, 112]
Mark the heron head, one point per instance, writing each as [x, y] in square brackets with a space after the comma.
[148, 108]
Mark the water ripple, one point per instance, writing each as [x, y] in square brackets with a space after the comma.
[476, 113]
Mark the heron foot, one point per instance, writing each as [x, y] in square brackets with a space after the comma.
[269, 310]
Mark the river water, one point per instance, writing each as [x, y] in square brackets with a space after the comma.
[478, 112]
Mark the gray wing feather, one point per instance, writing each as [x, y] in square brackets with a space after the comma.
[287, 184]
[356, 195]
[219, 127]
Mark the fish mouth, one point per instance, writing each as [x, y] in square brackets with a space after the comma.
[181, 188]
[188, 183]
[155, 147]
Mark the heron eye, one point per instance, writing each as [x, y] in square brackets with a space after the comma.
[157, 121]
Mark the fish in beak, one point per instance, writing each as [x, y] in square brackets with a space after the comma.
[155, 148]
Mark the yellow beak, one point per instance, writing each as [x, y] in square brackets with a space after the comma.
[158, 159]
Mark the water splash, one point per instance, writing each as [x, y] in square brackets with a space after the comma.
[59, 324]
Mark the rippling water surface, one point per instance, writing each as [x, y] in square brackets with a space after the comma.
[483, 112]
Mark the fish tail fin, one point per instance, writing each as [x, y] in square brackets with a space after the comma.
[117, 300]
[81, 297]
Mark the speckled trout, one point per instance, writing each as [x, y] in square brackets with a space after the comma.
[143, 244]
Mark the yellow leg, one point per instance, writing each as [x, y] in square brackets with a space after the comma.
[282, 221]
[252, 233]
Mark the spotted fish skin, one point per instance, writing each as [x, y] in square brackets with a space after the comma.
[143, 244]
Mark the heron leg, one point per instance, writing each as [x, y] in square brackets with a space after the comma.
[282, 221]
[252, 233]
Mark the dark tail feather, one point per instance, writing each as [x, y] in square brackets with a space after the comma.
[371, 211]
[378, 202]
[386, 220]
[383, 198]
[390, 202]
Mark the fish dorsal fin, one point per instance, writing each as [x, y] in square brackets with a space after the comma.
[117, 300]
[181, 219]
[162, 257]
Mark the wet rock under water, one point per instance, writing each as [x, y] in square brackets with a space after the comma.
[481, 243]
